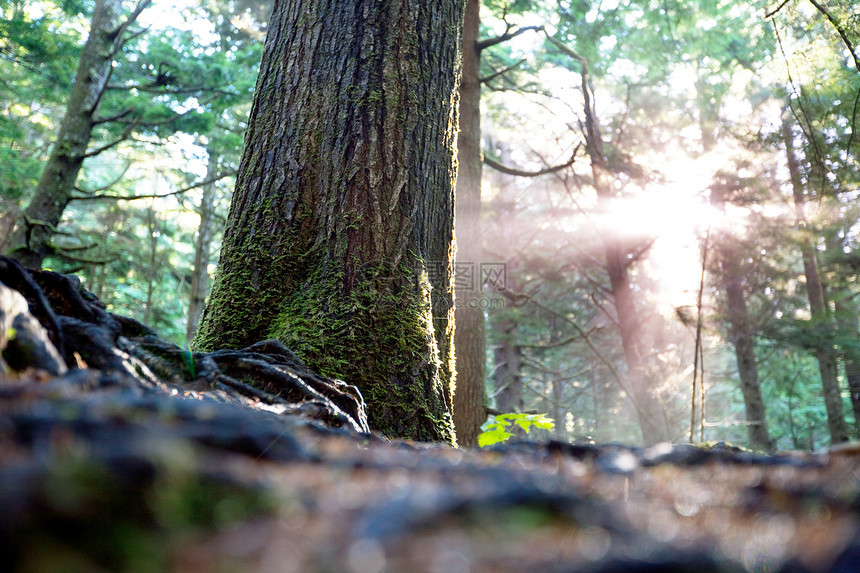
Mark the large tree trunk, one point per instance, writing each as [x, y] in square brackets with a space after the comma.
[31, 238]
[824, 349]
[470, 334]
[339, 240]
[741, 334]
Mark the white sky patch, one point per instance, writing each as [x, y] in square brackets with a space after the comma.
[677, 214]
[180, 15]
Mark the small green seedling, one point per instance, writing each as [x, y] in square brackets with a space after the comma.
[495, 430]
[188, 359]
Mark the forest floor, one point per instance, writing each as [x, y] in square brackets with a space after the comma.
[144, 458]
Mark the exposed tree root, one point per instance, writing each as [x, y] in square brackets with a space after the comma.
[64, 323]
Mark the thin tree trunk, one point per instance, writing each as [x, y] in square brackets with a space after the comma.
[742, 339]
[649, 410]
[848, 326]
[848, 322]
[31, 238]
[339, 240]
[151, 271]
[741, 333]
[598, 399]
[558, 411]
[470, 335]
[507, 372]
[202, 246]
[824, 349]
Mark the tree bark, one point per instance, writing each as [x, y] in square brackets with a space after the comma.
[824, 349]
[470, 335]
[31, 238]
[339, 241]
[741, 334]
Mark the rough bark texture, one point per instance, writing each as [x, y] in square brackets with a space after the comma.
[31, 239]
[470, 335]
[825, 351]
[741, 335]
[339, 241]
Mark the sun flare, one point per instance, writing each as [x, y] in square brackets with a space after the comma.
[676, 215]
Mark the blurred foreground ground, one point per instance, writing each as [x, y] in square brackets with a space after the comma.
[124, 479]
[120, 452]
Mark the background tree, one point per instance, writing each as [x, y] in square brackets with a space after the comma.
[470, 336]
[177, 128]
[38, 55]
[822, 340]
[29, 242]
[732, 272]
[129, 85]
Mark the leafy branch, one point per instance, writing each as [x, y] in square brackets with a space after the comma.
[496, 429]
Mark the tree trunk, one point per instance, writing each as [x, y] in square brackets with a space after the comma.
[742, 339]
[741, 335]
[470, 334]
[202, 245]
[508, 368]
[31, 238]
[559, 414]
[824, 349]
[650, 413]
[152, 270]
[848, 321]
[848, 326]
[339, 241]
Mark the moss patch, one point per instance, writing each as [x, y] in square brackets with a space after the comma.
[379, 337]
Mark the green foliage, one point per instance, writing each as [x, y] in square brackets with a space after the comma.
[180, 102]
[509, 6]
[38, 56]
[495, 430]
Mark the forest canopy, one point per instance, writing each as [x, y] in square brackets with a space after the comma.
[668, 224]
